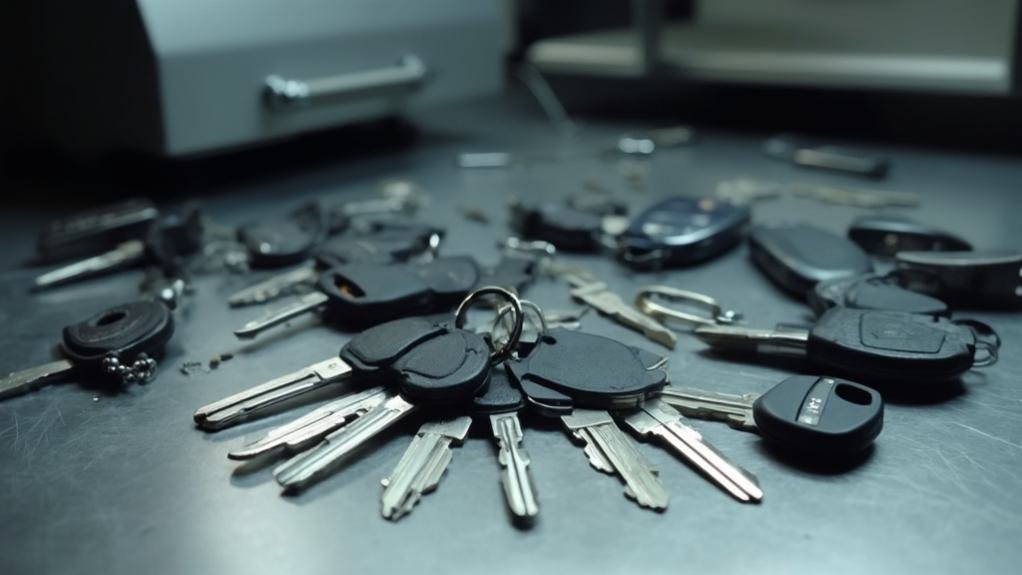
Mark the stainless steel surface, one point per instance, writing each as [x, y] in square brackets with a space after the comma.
[307, 303]
[656, 419]
[305, 468]
[122, 256]
[256, 400]
[422, 466]
[611, 451]
[123, 483]
[519, 489]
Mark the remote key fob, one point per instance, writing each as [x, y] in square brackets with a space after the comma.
[681, 231]
[797, 257]
[871, 291]
[888, 235]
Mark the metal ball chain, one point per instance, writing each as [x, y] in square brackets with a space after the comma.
[141, 370]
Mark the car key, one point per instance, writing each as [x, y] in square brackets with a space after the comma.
[569, 370]
[569, 229]
[804, 413]
[867, 345]
[981, 278]
[789, 148]
[682, 231]
[888, 235]
[365, 294]
[171, 237]
[870, 291]
[499, 403]
[797, 257]
[93, 231]
[597, 295]
[116, 346]
[382, 245]
[284, 241]
[445, 370]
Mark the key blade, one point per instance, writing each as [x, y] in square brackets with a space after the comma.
[26, 380]
[733, 409]
[519, 489]
[422, 465]
[243, 405]
[305, 304]
[309, 466]
[740, 339]
[303, 432]
[596, 295]
[124, 255]
[274, 287]
[660, 420]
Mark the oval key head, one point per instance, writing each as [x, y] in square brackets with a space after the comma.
[126, 331]
[822, 415]
[797, 257]
[448, 368]
[498, 395]
[870, 291]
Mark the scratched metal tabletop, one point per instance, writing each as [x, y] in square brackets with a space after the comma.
[94, 482]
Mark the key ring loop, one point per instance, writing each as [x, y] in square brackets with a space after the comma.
[505, 351]
[716, 316]
[987, 340]
[526, 305]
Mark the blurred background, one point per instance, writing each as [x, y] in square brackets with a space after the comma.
[102, 94]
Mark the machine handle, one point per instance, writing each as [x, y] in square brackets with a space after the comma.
[282, 94]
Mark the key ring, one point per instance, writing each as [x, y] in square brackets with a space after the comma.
[717, 315]
[498, 355]
[987, 340]
[502, 312]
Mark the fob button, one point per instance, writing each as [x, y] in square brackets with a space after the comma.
[896, 334]
[815, 401]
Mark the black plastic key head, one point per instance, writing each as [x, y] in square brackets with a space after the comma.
[284, 241]
[385, 245]
[567, 228]
[381, 345]
[498, 395]
[125, 331]
[870, 291]
[823, 415]
[888, 235]
[365, 294]
[895, 347]
[798, 257]
[570, 368]
[681, 231]
[450, 367]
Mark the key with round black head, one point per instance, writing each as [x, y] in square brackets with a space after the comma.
[894, 348]
[567, 228]
[797, 257]
[117, 346]
[383, 244]
[444, 371]
[816, 415]
[582, 377]
[870, 291]
[367, 293]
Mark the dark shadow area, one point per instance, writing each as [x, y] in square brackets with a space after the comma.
[818, 464]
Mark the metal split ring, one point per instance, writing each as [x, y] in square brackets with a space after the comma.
[716, 314]
[505, 351]
[527, 305]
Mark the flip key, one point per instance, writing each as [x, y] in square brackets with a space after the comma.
[870, 291]
[805, 413]
[367, 294]
[116, 346]
[868, 345]
[798, 257]
[990, 278]
[682, 231]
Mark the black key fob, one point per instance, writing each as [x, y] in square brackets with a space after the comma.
[991, 278]
[870, 291]
[498, 395]
[822, 415]
[889, 346]
[681, 231]
[286, 241]
[570, 368]
[382, 344]
[451, 366]
[124, 331]
[94, 231]
[366, 294]
[797, 257]
[566, 228]
[888, 235]
[382, 246]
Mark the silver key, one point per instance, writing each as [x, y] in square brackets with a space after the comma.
[611, 451]
[597, 295]
[733, 409]
[657, 419]
[294, 281]
[256, 400]
[332, 451]
[124, 255]
[309, 429]
[307, 303]
[422, 465]
[519, 489]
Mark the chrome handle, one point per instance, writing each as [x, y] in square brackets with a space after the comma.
[409, 75]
